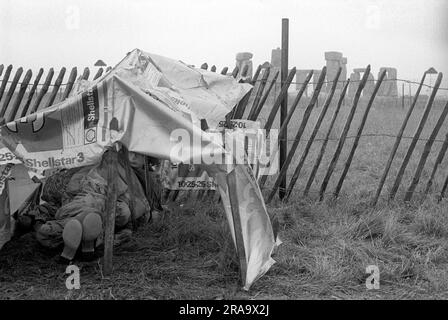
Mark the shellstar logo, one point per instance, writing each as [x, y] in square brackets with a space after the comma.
[53, 162]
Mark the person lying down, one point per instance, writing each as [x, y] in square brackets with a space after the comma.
[73, 208]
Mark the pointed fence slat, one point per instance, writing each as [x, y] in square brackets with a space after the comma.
[85, 74]
[235, 72]
[43, 91]
[344, 133]
[322, 114]
[241, 108]
[425, 154]
[444, 188]
[1, 69]
[260, 90]
[415, 139]
[397, 142]
[256, 75]
[31, 93]
[439, 160]
[265, 96]
[11, 90]
[327, 137]
[213, 68]
[282, 95]
[359, 133]
[70, 83]
[224, 70]
[306, 116]
[18, 100]
[98, 74]
[204, 66]
[291, 111]
[56, 86]
[5, 80]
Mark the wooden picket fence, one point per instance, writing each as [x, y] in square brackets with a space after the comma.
[20, 97]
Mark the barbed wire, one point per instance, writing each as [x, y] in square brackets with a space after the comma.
[269, 82]
[383, 135]
[353, 81]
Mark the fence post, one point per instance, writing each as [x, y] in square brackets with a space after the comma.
[282, 95]
[358, 135]
[284, 126]
[224, 71]
[397, 141]
[415, 138]
[325, 142]
[344, 133]
[31, 93]
[425, 153]
[283, 138]
[110, 159]
[322, 114]
[284, 169]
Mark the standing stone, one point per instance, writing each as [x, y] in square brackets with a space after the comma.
[243, 59]
[354, 83]
[355, 77]
[343, 76]
[276, 63]
[389, 86]
[276, 58]
[333, 62]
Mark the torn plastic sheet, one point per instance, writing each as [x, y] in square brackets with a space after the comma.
[142, 103]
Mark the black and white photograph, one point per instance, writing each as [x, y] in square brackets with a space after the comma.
[224, 155]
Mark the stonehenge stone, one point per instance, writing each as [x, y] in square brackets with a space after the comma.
[243, 59]
[389, 86]
[355, 78]
[335, 60]
[276, 62]
[276, 58]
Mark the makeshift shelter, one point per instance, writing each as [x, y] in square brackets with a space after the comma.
[153, 106]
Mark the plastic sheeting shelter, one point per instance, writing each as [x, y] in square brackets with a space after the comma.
[152, 105]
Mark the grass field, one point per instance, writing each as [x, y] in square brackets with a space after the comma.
[187, 253]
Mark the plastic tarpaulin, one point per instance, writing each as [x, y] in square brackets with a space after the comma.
[140, 103]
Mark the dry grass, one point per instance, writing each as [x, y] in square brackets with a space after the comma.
[326, 248]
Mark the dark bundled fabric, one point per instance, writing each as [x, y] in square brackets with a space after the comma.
[54, 190]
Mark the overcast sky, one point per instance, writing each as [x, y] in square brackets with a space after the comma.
[410, 35]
